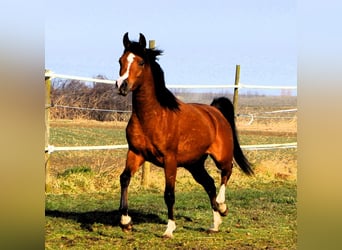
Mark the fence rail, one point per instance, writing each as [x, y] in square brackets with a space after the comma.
[51, 75]
[50, 148]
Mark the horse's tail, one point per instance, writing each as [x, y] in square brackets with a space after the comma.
[227, 109]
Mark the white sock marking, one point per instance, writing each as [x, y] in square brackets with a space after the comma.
[217, 221]
[130, 59]
[125, 219]
[221, 195]
[171, 226]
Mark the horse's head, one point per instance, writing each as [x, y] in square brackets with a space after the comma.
[132, 64]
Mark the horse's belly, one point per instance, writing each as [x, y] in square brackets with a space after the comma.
[191, 152]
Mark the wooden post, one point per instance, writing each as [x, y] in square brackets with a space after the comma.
[47, 132]
[146, 168]
[145, 174]
[236, 89]
[151, 44]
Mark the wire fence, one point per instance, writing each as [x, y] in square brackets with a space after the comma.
[121, 115]
[250, 116]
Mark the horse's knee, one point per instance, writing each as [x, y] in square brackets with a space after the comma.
[125, 178]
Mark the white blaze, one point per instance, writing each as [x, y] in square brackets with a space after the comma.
[130, 59]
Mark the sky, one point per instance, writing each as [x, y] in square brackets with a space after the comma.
[203, 41]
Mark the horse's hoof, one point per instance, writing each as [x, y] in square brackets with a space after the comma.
[223, 209]
[225, 213]
[126, 228]
[211, 231]
[167, 236]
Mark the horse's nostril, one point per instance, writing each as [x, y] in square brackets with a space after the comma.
[123, 90]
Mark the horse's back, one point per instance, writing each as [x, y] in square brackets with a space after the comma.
[210, 116]
[203, 130]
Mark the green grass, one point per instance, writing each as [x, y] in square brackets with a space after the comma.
[260, 217]
[79, 136]
[82, 205]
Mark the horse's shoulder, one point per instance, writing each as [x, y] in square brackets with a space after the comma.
[133, 126]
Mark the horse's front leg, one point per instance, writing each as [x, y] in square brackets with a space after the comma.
[133, 162]
[169, 196]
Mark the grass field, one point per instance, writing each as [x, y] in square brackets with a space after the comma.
[82, 203]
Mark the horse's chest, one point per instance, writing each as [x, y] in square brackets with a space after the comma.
[152, 146]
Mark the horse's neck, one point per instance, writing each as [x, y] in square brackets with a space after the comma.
[145, 103]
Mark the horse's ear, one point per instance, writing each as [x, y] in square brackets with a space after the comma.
[126, 41]
[142, 41]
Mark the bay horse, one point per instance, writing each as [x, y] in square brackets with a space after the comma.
[170, 134]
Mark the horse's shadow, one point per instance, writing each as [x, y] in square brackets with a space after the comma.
[110, 218]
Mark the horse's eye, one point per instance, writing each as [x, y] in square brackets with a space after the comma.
[141, 63]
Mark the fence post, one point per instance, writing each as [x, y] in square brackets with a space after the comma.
[151, 44]
[145, 175]
[236, 89]
[47, 132]
[146, 168]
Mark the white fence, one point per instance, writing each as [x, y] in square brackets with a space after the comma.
[50, 148]
[50, 74]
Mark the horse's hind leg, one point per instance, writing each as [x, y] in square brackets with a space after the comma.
[202, 177]
[226, 171]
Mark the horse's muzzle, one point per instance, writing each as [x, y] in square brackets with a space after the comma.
[124, 88]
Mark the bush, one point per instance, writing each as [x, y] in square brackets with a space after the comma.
[73, 99]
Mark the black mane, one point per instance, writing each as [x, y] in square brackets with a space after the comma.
[164, 95]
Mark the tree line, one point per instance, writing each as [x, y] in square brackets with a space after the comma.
[74, 99]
